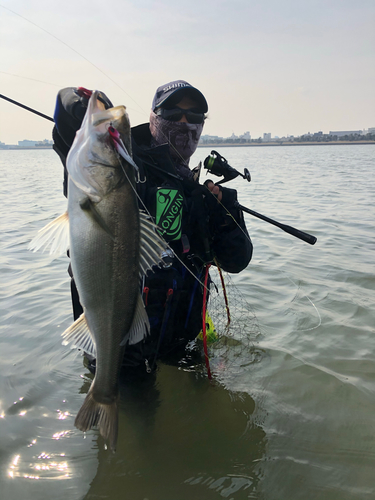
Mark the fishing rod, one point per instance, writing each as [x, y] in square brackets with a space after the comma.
[27, 108]
[218, 165]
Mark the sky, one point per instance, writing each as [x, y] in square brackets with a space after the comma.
[280, 67]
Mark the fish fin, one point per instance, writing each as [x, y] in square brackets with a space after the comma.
[79, 334]
[88, 206]
[140, 326]
[104, 416]
[54, 236]
[152, 245]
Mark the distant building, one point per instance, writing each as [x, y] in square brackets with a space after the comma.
[246, 136]
[316, 135]
[44, 144]
[27, 144]
[207, 139]
[341, 133]
[267, 137]
[371, 130]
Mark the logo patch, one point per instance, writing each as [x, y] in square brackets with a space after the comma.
[169, 213]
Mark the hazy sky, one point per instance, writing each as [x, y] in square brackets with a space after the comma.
[285, 67]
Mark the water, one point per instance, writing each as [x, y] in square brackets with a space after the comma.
[294, 421]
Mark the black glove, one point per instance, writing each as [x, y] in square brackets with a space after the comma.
[70, 109]
[219, 217]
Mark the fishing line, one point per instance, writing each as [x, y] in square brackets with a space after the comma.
[311, 302]
[96, 67]
[32, 79]
[296, 301]
[92, 64]
[75, 51]
[167, 141]
[123, 90]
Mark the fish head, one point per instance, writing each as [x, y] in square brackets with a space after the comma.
[93, 162]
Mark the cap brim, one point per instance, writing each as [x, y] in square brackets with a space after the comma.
[176, 96]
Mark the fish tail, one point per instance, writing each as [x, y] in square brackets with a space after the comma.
[104, 416]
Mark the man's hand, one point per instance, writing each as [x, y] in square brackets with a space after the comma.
[214, 190]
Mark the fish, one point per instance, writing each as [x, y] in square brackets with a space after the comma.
[112, 244]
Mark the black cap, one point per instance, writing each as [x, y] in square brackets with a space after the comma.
[178, 89]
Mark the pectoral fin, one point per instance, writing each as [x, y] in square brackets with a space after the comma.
[54, 236]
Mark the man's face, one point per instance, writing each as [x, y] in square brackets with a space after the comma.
[186, 103]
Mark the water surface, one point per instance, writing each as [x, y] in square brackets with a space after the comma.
[289, 414]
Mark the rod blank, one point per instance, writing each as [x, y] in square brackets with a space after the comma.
[28, 109]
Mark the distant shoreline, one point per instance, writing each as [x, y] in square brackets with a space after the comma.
[275, 144]
[13, 148]
[229, 145]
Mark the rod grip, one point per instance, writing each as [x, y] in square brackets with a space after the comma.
[308, 238]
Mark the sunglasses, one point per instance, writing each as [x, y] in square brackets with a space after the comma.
[175, 115]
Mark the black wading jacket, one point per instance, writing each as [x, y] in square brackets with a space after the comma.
[196, 226]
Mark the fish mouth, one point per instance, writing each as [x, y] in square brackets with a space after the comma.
[103, 120]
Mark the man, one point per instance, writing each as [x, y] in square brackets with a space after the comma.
[201, 224]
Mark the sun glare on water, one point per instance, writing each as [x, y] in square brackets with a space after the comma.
[45, 466]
